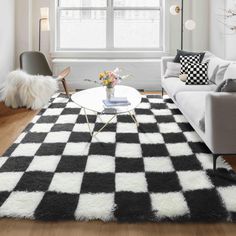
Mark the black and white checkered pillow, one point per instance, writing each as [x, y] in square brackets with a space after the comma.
[185, 61]
[197, 74]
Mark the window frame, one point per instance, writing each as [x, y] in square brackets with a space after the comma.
[110, 51]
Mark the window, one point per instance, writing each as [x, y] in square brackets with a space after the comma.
[110, 25]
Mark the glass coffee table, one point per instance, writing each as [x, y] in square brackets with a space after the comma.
[92, 100]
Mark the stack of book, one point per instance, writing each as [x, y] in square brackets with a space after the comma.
[117, 101]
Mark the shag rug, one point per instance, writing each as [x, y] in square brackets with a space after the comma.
[158, 172]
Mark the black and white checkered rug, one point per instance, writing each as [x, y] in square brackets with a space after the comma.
[160, 171]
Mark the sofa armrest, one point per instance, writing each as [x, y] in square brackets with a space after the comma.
[220, 122]
[164, 61]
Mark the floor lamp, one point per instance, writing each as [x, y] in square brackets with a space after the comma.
[43, 23]
[189, 24]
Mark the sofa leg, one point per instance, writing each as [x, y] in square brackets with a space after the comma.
[231, 176]
[215, 157]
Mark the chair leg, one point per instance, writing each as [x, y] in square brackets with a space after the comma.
[65, 87]
[162, 92]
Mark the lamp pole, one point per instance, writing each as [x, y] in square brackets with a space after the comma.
[40, 31]
[182, 24]
[40, 25]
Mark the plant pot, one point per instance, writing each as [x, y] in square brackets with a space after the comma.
[110, 92]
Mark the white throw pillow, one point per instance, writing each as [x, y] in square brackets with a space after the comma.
[173, 70]
[216, 69]
[230, 72]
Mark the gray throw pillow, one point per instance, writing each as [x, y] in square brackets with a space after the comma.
[228, 86]
[185, 53]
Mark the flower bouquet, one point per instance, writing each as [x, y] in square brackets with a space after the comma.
[110, 79]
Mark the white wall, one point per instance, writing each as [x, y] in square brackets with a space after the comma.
[222, 39]
[7, 38]
[23, 27]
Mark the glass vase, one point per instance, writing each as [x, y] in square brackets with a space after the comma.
[110, 92]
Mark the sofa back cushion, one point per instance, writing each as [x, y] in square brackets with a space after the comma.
[216, 69]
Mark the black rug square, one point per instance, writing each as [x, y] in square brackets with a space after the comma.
[109, 128]
[205, 205]
[15, 164]
[102, 149]
[62, 127]
[80, 137]
[34, 181]
[199, 148]
[47, 149]
[3, 197]
[175, 112]
[184, 163]
[133, 207]
[72, 164]
[158, 106]
[129, 165]
[34, 137]
[71, 111]
[57, 105]
[82, 119]
[174, 138]
[47, 119]
[165, 119]
[185, 127]
[143, 112]
[148, 128]
[127, 138]
[124, 119]
[60, 206]
[163, 182]
[98, 183]
[154, 150]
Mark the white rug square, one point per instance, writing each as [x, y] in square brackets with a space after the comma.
[194, 180]
[66, 182]
[128, 150]
[131, 182]
[100, 164]
[95, 206]
[26, 149]
[9, 180]
[158, 164]
[57, 137]
[44, 163]
[76, 149]
[171, 205]
[21, 204]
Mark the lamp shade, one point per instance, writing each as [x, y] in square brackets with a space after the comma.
[190, 25]
[45, 25]
[175, 10]
[44, 12]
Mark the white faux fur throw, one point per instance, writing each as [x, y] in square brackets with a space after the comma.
[23, 90]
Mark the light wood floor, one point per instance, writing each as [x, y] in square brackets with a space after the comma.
[12, 122]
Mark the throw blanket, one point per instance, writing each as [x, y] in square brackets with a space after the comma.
[23, 90]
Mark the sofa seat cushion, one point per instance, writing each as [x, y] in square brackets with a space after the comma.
[175, 86]
[193, 105]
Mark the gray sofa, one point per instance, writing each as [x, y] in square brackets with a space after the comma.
[200, 103]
